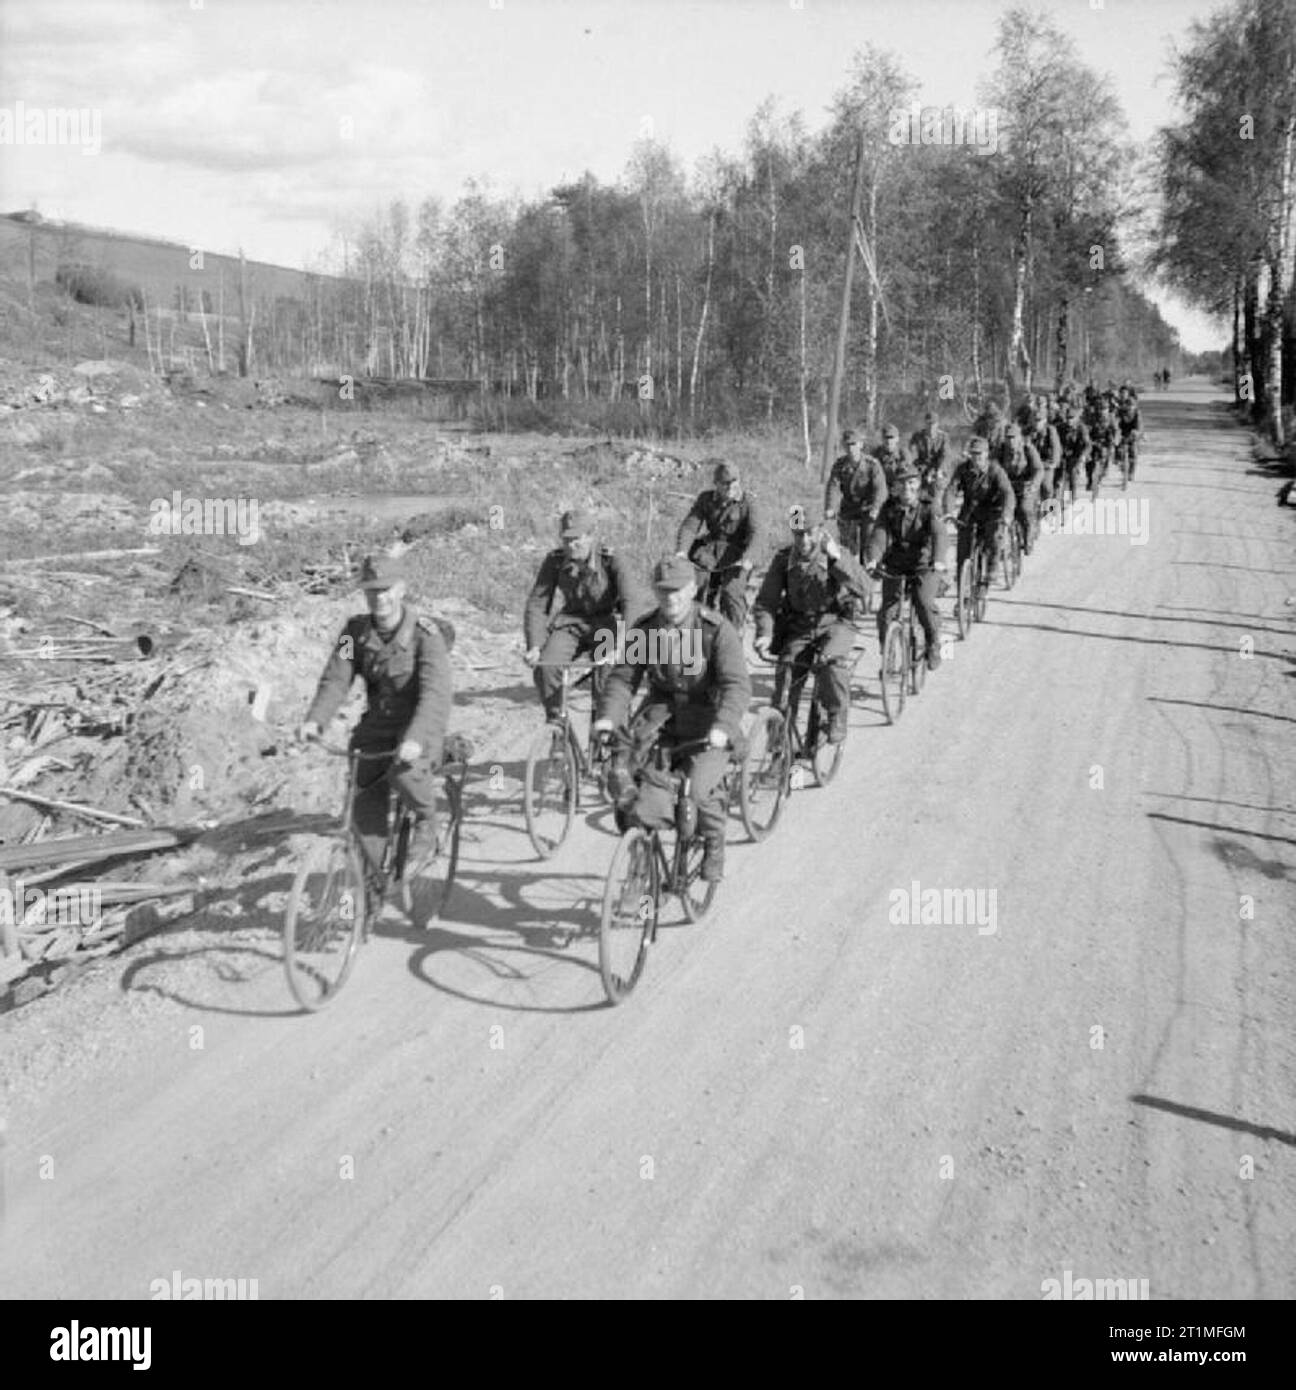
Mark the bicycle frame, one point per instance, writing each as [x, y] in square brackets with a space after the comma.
[588, 755]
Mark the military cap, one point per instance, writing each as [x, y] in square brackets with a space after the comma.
[891, 432]
[725, 473]
[381, 572]
[673, 572]
[579, 521]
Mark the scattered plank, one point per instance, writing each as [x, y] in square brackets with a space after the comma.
[90, 812]
[82, 555]
[89, 848]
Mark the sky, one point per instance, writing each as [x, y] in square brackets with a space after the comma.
[271, 124]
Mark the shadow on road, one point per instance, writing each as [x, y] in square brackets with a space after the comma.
[1213, 1117]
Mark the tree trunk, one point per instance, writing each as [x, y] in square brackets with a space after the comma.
[843, 322]
[1063, 332]
[1017, 353]
[706, 308]
[805, 405]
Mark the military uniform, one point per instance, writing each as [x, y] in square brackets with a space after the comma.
[909, 540]
[805, 608]
[408, 684]
[1075, 443]
[717, 535]
[1131, 426]
[571, 605]
[930, 450]
[684, 700]
[988, 502]
[1103, 437]
[856, 492]
[1025, 472]
[890, 461]
[1049, 447]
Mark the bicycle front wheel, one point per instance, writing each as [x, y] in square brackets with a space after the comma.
[629, 919]
[827, 757]
[425, 892]
[980, 589]
[917, 658]
[323, 923]
[963, 600]
[549, 789]
[894, 675]
[764, 784]
[697, 894]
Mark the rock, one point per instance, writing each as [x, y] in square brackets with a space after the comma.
[99, 367]
[96, 473]
[129, 402]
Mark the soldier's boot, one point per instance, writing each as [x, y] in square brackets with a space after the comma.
[711, 826]
[423, 845]
[834, 692]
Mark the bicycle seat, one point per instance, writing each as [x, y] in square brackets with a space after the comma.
[458, 748]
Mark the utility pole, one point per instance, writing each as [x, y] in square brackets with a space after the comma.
[839, 361]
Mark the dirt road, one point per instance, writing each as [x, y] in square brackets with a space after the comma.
[805, 1093]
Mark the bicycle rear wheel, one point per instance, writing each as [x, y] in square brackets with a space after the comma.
[629, 919]
[549, 789]
[323, 923]
[697, 895]
[825, 757]
[917, 657]
[963, 599]
[764, 778]
[425, 894]
[893, 677]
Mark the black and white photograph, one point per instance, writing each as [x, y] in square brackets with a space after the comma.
[647, 652]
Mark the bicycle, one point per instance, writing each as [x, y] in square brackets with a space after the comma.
[642, 872]
[338, 893]
[558, 763]
[904, 651]
[972, 590]
[709, 590]
[1126, 458]
[779, 742]
[1010, 552]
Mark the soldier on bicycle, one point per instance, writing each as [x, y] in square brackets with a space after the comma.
[582, 588]
[698, 687]
[1076, 447]
[1022, 464]
[930, 449]
[1131, 426]
[910, 540]
[890, 453]
[405, 664]
[720, 535]
[988, 502]
[855, 493]
[804, 612]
